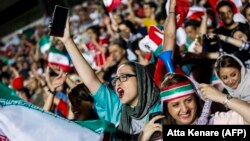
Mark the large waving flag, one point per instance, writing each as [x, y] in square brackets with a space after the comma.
[111, 4]
[22, 121]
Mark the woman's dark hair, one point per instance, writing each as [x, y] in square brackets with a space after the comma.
[224, 3]
[130, 25]
[242, 29]
[82, 92]
[120, 42]
[226, 61]
[26, 92]
[171, 79]
[245, 9]
[131, 64]
[95, 29]
[151, 5]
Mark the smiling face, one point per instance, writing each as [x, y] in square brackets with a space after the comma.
[230, 76]
[183, 109]
[127, 90]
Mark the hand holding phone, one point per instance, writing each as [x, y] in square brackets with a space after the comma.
[59, 20]
[156, 135]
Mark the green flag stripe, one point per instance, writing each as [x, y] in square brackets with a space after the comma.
[176, 90]
[7, 93]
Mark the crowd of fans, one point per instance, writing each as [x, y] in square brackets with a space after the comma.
[112, 65]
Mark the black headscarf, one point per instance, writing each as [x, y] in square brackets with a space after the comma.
[148, 96]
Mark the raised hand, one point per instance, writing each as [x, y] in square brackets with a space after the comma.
[172, 5]
[66, 35]
[56, 68]
[37, 75]
[150, 128]
[209, 92]
[59, 79]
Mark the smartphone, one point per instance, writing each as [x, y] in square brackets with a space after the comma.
[59, 20]
[156, 135]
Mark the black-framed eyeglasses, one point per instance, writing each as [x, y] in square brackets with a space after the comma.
[122, 78]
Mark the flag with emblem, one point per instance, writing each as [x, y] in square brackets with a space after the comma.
[60, 58]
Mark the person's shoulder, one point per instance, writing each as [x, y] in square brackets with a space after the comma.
[243, 24]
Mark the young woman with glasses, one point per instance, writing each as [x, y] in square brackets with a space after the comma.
[134, 98]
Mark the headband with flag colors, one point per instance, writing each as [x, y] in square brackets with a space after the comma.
[177, 90]
[183, 89]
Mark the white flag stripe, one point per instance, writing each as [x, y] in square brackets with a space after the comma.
[177, 95]
[45, 47]
[58, 58]
[20, 123]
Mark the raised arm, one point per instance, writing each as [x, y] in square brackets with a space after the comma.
[169, 38]
[230, 40]
[203, 26]
[235, 104]
[170, 28]
[86, 73]
[133, 18]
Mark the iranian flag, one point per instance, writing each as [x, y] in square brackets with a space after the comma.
[60, 58]
[22, 121]
[111, 4]
[45, 43]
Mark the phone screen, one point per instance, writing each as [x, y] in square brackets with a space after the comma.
[59, 19]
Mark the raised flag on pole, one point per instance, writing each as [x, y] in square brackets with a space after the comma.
[111, 4]
[22, 121]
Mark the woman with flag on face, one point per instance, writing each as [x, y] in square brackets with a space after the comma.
[135, 94]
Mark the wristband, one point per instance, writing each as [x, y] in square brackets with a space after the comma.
[226, 39]
[52, 92]
[228, 98]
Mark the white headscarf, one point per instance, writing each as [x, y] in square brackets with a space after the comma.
[243, 90]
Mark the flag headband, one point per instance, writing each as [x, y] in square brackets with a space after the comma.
[175, 91]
